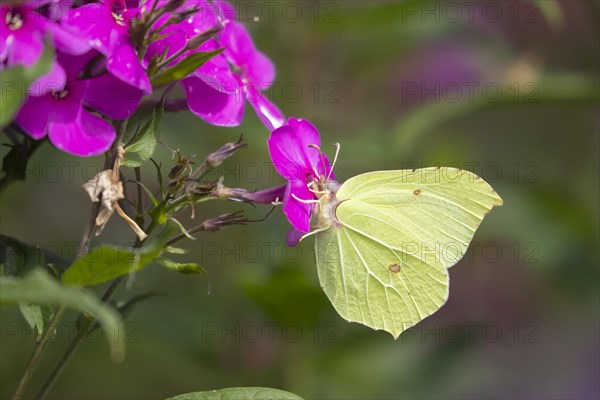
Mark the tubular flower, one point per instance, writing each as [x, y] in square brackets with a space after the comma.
[294, 149]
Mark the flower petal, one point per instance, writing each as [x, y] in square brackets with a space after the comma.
[66, 41]
[224, 11]
[293, 237]
[290, 151]
[53, 81]
[298, 213]
[73, 64]
[286, 155]
[82, 134]
[25, 48]
[34, 114]
[125, 65]
[307, 133]
[214, 106]
[217, 73]
[94, 22]
[324, 168]
[261, 70]
[112, 97]
[241, 51]
[266, 111]
[239, 47]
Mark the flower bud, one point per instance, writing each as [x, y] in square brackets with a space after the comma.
[181, 16]
[173, 5]
[267, 196]
[216, 158]
[220, 222]
[203, 189]
[198, 40]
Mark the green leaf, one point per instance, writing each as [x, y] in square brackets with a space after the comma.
[105, 263]
[19, 258]
[15, 81]
[137, 121]
[183, 68]
[39, 288]
[182, 228]
[159, 178]
[37, 316]
[241, 393]
[101, 265]
[184, 268]
[148, 192]
[142, 145]
[153, 248]
[176, 250]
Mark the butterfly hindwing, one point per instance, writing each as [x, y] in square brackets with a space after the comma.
[380, 287]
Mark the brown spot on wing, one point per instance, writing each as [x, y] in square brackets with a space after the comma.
[395, 268]
[417, 192]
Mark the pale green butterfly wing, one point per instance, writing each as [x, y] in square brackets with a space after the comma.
[432, 212]
[355, 273]
[398, 231]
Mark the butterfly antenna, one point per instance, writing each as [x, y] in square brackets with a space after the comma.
[337, 151]
[323, 163]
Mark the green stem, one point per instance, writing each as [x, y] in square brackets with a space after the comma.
[84, 247]
[139, 218]
[74, 345]
[175, 204]
[36, 356]
[76, 341]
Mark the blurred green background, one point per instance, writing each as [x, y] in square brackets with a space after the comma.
[508, 90]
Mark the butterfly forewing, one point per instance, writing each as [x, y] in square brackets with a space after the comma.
[432, 212]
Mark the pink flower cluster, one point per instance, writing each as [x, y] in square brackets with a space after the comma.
[99, 74]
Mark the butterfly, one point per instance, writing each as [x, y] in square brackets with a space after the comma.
[385, 240]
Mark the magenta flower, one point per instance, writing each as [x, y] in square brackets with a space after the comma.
[294, 149]
[22, 32]
[105, 26]
[20, 28]
[58, 109]
[254, 72]
[209, 89]
[215, 92]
